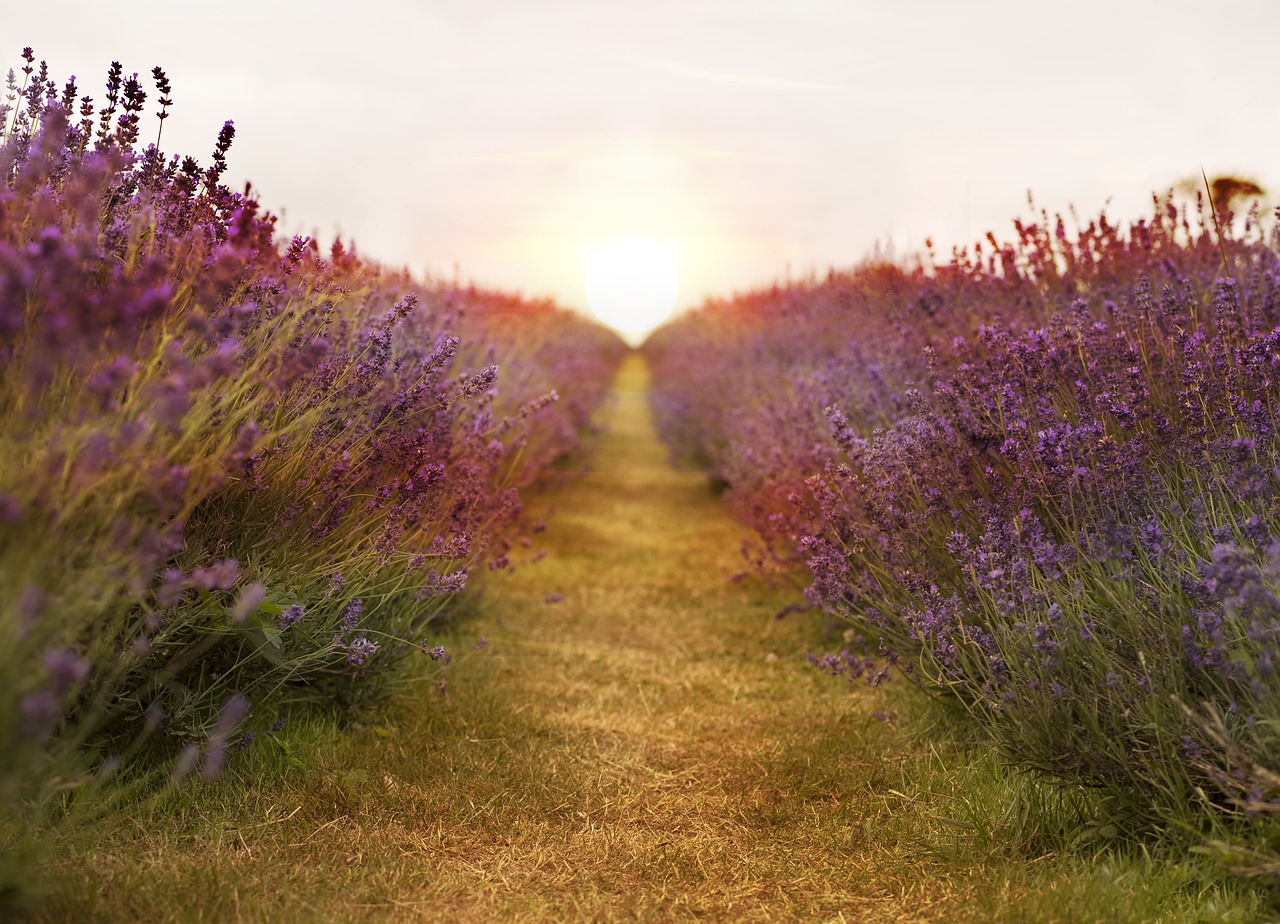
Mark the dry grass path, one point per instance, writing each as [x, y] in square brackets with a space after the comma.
[683, 713]
[650, 747]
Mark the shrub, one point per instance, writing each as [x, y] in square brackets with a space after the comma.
[1044, 476]
[235, 472]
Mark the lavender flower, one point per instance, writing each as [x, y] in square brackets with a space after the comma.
[291, 617]
[66, 668]
[186, 762]
[359, 650]
[351, 615]
[436, 653]
[250, 599]
[221, 575]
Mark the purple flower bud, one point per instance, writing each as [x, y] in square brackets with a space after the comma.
[230, 716]
[153, 717]
[40, 710]
[435, 654]
[351, 615]
[291, 617]
[214, 760]
[221, 575]
[360, 650]
[480, 381]
[173, 583]
[247, 604]
[66, 668]
[185, 763]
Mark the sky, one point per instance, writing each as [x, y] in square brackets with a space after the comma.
[497, 141]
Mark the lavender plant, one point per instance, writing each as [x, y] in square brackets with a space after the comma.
[1058, 505]
[236, 472]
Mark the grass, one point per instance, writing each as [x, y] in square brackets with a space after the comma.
[651, 747]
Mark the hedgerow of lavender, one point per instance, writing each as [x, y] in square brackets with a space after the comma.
[1062, 513]
[233, 470]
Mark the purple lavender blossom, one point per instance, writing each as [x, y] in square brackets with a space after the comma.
[436, 653]
[186, 762]
[39, 712]
[66, 668]
[291, 617]
[221, 575]
[250, 599]
[359, 650]
[351, 615]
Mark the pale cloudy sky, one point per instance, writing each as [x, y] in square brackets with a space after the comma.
[506, 137]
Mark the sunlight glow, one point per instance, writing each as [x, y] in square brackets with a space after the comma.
[632, 283]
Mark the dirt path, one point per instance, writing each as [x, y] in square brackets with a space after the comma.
[687, 727]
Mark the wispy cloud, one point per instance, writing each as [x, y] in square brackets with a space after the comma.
[768, 83]
[487, 157]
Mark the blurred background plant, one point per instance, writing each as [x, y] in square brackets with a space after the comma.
[235, 472]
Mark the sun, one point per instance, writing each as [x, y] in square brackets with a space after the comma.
[632, 283]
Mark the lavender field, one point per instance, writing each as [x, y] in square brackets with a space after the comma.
[387, 583]
[1040, 479]
[239, 473]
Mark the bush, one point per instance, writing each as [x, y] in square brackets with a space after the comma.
[1045, 477]
[236, 473]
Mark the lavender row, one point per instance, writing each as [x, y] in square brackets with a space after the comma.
[235, 470]
[1044, 476]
